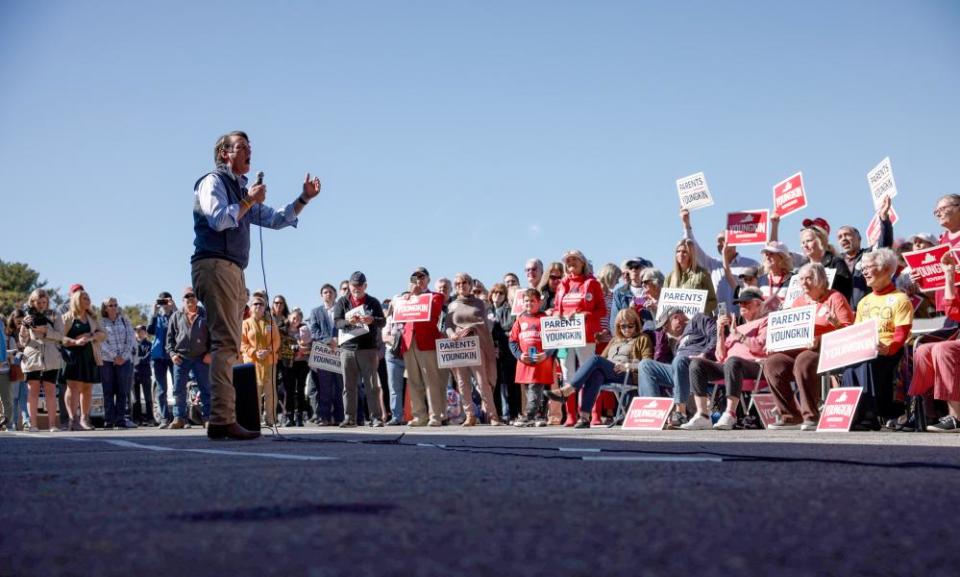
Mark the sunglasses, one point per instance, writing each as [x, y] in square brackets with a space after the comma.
[627, 325]
[189, 296]
[556, 277]
[257, 305]
[113, 306]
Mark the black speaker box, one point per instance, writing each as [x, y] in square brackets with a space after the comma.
[248, 405]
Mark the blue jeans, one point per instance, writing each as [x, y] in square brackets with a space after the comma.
[654, 375]
[594, 373]
[329, 395]
[395, 368]
[160, 368]
[115, 380]
[19, 394]
[201, 374]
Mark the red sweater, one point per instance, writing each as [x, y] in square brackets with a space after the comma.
[426, 333]
[582, 294]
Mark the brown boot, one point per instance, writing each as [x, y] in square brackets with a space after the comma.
[179, 423]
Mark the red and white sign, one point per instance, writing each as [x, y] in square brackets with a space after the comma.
[766, 408]
[789, 195]
[927, 263]
[839, 410]
[516, 309]
[848, 346]
[874, 230]
[747, 227]
[413, 309]
[647, 414]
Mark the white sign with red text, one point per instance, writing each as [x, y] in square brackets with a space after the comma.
[766, 407]
[789, 195]
[647, 414]
[848, 346]
[747, 227]
[881, 182]
[694, 192]
[874, 230]
[413, 309]
[517, 308]
[839, 409]
[926, 262]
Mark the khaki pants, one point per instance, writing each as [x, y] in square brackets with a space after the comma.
[267, 390]
[485, 386]
[220, 286]
[427, 384]
[361, 364]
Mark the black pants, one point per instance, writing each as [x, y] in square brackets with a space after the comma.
[876, 378]
[294, 384]
[732, 371]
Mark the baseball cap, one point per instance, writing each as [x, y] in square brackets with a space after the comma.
[817, 222]
[358, 278]
[638, 262]
[76, 287]
[776, 247]
[924, 236]
[749, 271]
[666, 316]
[747, 295]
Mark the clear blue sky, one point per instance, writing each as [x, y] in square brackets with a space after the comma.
[456, 135]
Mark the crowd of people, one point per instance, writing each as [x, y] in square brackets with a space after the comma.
[390, 374]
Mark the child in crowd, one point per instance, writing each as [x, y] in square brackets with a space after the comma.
[536, 367]
[142, 385]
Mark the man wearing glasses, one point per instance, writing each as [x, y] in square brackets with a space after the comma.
[223, 211]
[188, 346]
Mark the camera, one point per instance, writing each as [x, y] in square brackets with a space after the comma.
[38, 318]
[162, 302]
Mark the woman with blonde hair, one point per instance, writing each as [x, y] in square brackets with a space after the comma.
[688, 274]
[629, 346]
[816, 247]
[82, 338]
[467, 317]
[40, 333]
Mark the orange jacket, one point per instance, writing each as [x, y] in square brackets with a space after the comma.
[254, 336]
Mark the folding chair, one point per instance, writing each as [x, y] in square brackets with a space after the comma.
[623, 392]
[748, 388]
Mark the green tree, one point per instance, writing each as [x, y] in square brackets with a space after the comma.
[17, 280]
[138, 314]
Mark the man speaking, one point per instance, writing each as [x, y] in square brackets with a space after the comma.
[223, 211]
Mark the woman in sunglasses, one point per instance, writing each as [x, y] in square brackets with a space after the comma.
[116, 374]
[629, 346]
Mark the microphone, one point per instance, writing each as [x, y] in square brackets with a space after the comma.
[259, 177]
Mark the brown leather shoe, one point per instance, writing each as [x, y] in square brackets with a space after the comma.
[231, 431]
[179, 423]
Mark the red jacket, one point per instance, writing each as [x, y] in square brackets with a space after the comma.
[526, 333]
[427, 332]
[582, 294]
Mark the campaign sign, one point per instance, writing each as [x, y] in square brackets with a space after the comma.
[927, 263]
[789, 195]
[516, 309]
[693, 192]
[353, 331]
[647, 414]
[766, 407]
[562, 333]
[323, 358]
[690, 301]
[747, 227]
[874, 230]
[414, 309]
[791, 329]
[453, 353]
[839, 410]
[795, 289]
[848, 346]
[881, 182]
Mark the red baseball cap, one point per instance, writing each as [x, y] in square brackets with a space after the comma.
[76, 287]
[817, 222]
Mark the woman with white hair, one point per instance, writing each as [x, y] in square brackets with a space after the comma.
[800, 365]
[579, 293]
[776, 275]
[893, 313]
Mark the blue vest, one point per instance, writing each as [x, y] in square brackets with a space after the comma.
[232, 244]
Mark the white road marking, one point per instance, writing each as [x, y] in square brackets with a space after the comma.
[161, 448]
[576, 450]
[658, 458]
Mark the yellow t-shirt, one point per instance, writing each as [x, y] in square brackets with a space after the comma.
[891, 310]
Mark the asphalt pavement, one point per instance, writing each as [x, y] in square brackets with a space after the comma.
[481, 501]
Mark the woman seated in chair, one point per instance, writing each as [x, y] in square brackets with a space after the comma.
[935, 365]
[629, 345]
[893, 312]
